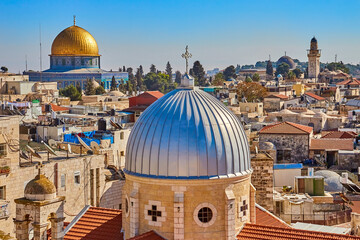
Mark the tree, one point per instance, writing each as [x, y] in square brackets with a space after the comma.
[99, 90]
[122, 86]
[297, 72]
[229, 72]
[159, 82]
[141, 70]
[4, 69]
[129, 87]
[251, 91]
[152, 68]
[337, 66]
[269, 69]
[71, 92]
[256, 77]
[139, 79]
[178, 77]
[90, 88]
[248, 79]
[282, 69]
[198, 73]
[291, 75]
[132, 78]
[124, 69]
[218, 80]
[168, 70]
[113, 84]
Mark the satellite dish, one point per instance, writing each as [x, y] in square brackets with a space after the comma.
[49, 149]
[83, 143]
[69, 148]
[24, 155]
[94, 146]
[52, 143]
[32, 151]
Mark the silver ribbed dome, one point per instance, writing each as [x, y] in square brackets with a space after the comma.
[187, 134]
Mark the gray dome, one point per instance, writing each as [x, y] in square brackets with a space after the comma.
[288, 60]
[187, 134]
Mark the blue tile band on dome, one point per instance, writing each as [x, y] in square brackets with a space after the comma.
[187, 134]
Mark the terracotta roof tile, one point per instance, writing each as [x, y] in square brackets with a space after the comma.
[340, 134]
[332, 144]
[156, 94]
[286, 128]
[264, 217]
[281, 96]
[254, 231]
[97, 224]
[349, 82]
[148, 236]
[314, 96]
[57, 108]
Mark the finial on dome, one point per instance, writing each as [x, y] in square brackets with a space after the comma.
[186, 55]
[39, 167]
[74, 20]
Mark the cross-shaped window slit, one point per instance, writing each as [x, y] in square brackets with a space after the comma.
[154, 213]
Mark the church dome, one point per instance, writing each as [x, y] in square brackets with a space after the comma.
[74, 41]
[40, 188]
[187, 134]
[288, 60]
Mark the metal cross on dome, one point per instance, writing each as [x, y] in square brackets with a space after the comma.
[186, 55]
[39, 167]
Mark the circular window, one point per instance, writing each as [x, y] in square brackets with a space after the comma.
[205, 214]
[126, 206]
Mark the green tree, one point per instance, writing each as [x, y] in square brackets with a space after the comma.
[141, 71]
[124, 69]
[297, 72]
[337, 66]
[132, 78]
[129, 87]
[152, 68]
[90, 88]
[139, 79]
[269, 68]
[251, 91]
[4, 69]
[159, 82]
[99, 90]
[291, 75]
[168, 70]
[248, 79]
[71, 92]
[282, 69]
[113, 84]
[178, 77]
[122, 86]
[198, 73]
[256, 77]
[229, 72]
[218, 80]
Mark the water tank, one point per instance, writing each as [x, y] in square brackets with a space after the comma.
[102, 124]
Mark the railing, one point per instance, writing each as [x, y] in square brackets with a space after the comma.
[4, 209]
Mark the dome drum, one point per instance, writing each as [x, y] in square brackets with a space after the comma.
[187, 134]
[40, 189]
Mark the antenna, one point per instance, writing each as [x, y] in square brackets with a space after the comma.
[335, 58]
[40, 53]
[285, 53]
[269, 57]
[25, 63]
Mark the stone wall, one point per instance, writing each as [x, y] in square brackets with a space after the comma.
[179, 201]
[262, 179]
[296, 144]
[112, 195]
[62, 174]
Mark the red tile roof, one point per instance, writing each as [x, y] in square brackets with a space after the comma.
[57, 108]
[349, 82]
[332, 144]
[281, 96]
[286, 128]
[340, 134]
[156, 94]
[97, 224]
[264, 217]
[312, 95]
[261, 232]
[148, 236]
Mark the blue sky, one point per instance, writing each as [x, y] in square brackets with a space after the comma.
[219, 33]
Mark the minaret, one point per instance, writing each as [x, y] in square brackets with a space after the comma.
[314, 59]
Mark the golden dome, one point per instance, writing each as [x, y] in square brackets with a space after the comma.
[74, 41]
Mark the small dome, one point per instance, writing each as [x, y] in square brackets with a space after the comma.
[74, 41]
[40, 188]
[288, 60]
[187, 134]
[331, 179]
[266, 146]
[116, 93]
